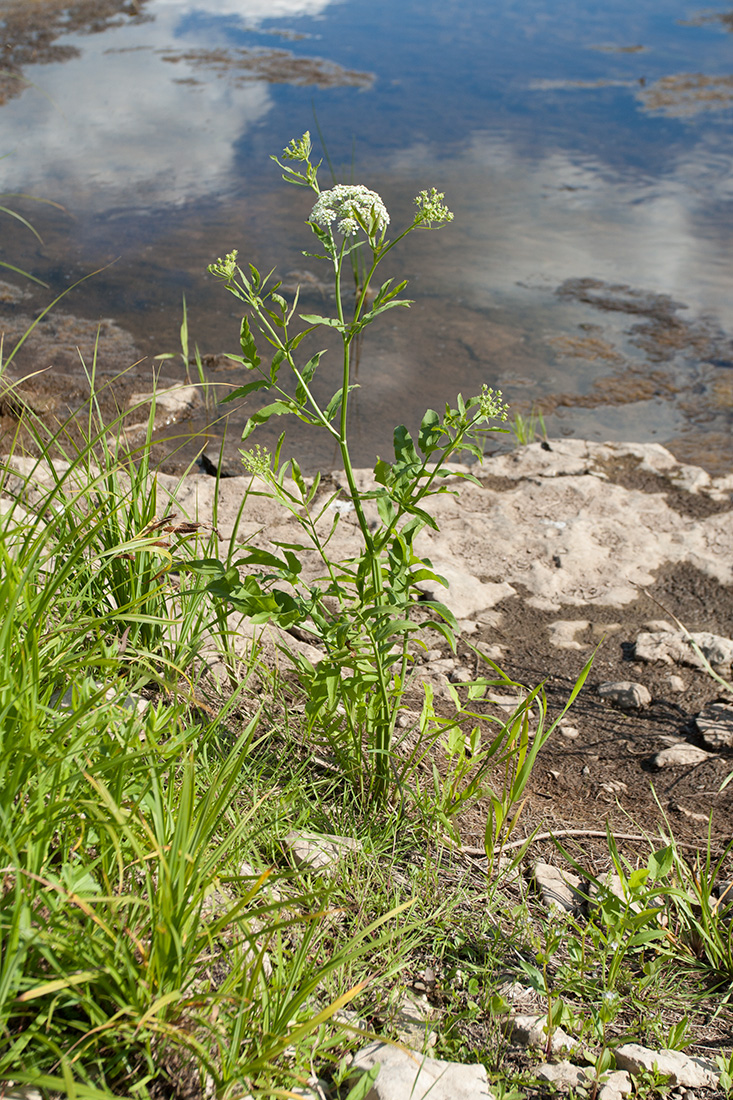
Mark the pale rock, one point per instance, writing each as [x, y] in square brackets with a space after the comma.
[559, 889]
[404, 1075]
[413, 1023]
[563, 1075]
[715, 724]
[530, 1032]
[675, 647]
[660, 626]
[601, 631]
[467, 626]
[571, 732]
[466, 595]
[615, 1084]
[443, 666]
[625, 694]
[172, 404]
[681, 755]
[461, 675]
[682, 1069]
[563, 633]
[319, 851]
[676, 684]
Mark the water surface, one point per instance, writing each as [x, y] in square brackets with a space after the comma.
[584, 148]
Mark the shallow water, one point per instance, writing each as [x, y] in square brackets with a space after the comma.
[584, 148]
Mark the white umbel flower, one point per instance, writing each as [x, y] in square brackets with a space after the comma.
[351, 204]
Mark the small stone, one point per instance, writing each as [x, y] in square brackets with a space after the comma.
[461, 675]
[571, 732]
[676, 684]
[413, 1023]
[559, 889]
[563, 633]
[171, 404]
[563, 1075]
[403, 1074]
[319, 851]
[715, 724]
[530, 1031]
[681, 755]
[680, 1068]
[616, 1085]
[625, 694]
[676, 648]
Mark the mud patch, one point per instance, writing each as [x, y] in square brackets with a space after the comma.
[30, 32]
[243, 66]
[686, 94]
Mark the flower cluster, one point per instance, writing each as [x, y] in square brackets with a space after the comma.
[299, 148]
[353, 206]
[491, 404]
[258, 462]
[225, 268]
[430, 208]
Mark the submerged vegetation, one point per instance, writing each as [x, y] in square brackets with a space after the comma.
[156, 939]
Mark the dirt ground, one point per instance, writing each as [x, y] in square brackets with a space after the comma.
[606, 773]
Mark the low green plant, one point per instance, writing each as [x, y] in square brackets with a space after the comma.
[701, 903]
[725, 1069]
[526, 429]
[363, 611]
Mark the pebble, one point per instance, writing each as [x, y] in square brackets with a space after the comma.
[625, 694]
[319, 851]
[683, 754]
[715, 724]
[681, 1069]
[530, 1031]
[403, 1075]
[559, 889]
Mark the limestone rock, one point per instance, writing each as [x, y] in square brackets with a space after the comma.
[319, 851]
[466, 594]
[559, 889]
[715, 724]
[625, 694]
[413, 1023]
[461, 675]
[563, 633]
[530, 1031]
[571, 732]
[615, 1085]
[675, 647]
[404, 1075]
[563, 1075]
[172, 404]
[681, 755]
[683, 1070]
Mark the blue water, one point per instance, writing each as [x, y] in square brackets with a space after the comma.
[543, 123]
